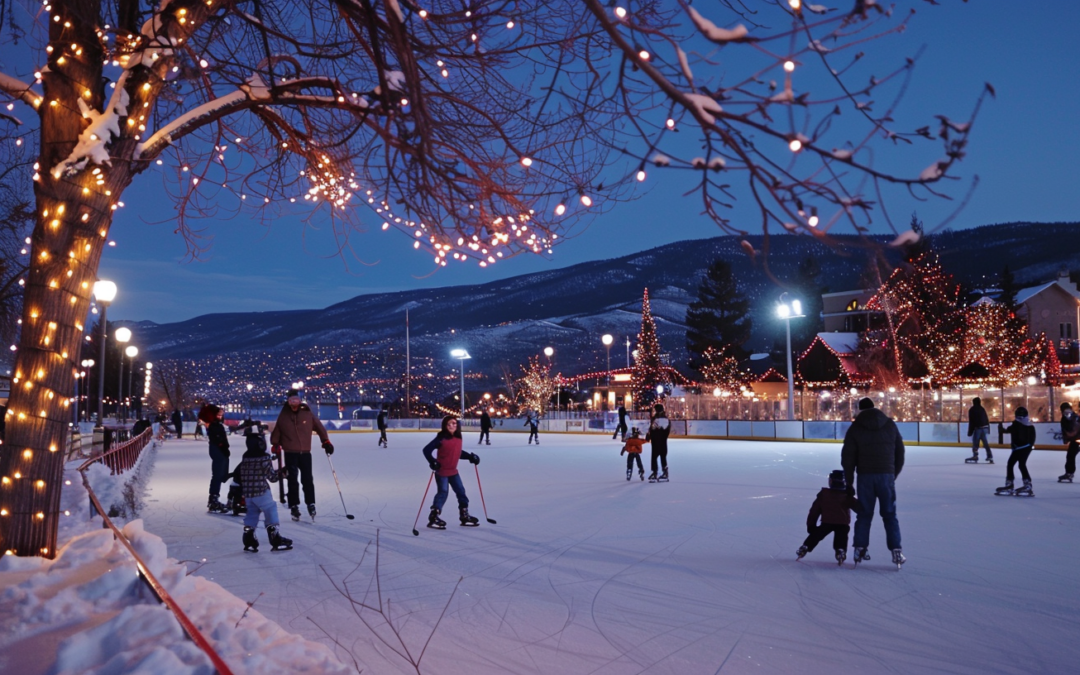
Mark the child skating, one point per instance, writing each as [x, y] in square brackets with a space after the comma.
[833, 505]
[1022, 440]
[443, 454]
[255, 469]
[632, 450]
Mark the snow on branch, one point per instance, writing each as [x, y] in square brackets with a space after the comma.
[193, 119]
[103, 128]
[714, 32]
[18, 89]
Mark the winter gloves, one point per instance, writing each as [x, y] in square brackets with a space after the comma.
[434, 465]
[276, 449]
[474, 458]
[328, 447]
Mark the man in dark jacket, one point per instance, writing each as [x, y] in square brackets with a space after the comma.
[485, 428]
[292, 433]
[873, 446]
[1070, 434]
[622, 428]
[979, 430]
[178, 422]
[380, 422]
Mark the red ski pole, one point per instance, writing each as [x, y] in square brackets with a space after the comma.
[481, 488]
[416, 532]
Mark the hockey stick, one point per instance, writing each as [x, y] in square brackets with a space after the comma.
[481, 488]
[281, 481]
[347, 514]
[416, 532]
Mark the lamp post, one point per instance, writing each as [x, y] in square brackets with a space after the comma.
[461, 355]
[123, 336]
[549, 352]
[787, 312]
[132, 351]
[146, 384]
[104, 293]
[628, 351]
[249, 388]
[607, 340]
[86, 364]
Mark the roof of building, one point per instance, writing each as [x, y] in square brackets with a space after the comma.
[841, 344]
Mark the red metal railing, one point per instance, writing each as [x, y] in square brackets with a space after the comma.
[119, 459]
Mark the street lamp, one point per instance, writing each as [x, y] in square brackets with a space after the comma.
[104, 293]
[787, 312]
[461, 355]
[132, 351]
[85, 363]
[607, 340]
[146, 385]
[249, 388]
[123, 336]
[549, 352]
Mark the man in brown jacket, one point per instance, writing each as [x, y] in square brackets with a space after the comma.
[292, 433]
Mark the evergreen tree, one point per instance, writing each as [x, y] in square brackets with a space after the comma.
[1008, 290]
[719, 318]
[919, 247]
[648, 370]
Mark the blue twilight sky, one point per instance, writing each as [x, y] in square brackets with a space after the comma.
[1024, 149]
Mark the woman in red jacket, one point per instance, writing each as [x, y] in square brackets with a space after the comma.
[443, 454]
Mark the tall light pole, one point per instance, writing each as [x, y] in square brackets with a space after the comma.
[81, 375]
[787, 312]
[132, 351]
[123, 336]
[628, 351]
[104, 293]
[249, 388]
[146, 384]
[548, 352]
[461, 355]
[607, 340]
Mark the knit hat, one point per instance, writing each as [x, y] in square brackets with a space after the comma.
[1065, 406]
[1021, 412]
[866, 403]
[659, 409]
[208, 413]
[837, 480]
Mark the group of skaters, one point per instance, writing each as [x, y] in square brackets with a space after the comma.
[658, 431]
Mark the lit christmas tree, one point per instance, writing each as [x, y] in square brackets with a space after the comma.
[648, 370]
[722, 371]
[536, 386]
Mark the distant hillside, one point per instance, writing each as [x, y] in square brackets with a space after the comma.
[569, 308]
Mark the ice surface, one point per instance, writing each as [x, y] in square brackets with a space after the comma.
[588, 573]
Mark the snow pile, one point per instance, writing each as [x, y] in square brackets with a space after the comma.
[91, 602]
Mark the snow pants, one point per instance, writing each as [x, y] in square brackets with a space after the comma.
[264, 504]
[442, 485]
[300, 463]
[1018, 456]
[871, 488]
[819, 532]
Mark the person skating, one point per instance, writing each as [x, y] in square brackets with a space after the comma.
[621, 429]
[833, 505]
[256, 468]
[873, 445]
[485, 428]
[632, 449]
[442, 455]
[178, 422]
[1070, 435]
[979, 431]
[292, 433]
[380, 422]
[218, 438]
[532, 420]
[659, 430]
[1022, 441]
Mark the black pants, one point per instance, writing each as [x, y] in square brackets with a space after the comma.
[819, 532]
[534, 433]
[300, 463]
[382, 436]
[630, 457]
[659, 452]
[620, 429]
[1021, 457]
[179, 429]
[485, 435]
[1070, 457]
[219, 470]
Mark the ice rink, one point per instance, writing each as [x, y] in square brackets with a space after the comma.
[588, 573]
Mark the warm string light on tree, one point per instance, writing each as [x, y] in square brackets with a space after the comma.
[721, 370]
[648, 370]
[536, 385]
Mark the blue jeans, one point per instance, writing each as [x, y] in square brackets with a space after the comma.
[442, 483]
[871, 487]
[219, 468]
[983, 435]
[264, 503]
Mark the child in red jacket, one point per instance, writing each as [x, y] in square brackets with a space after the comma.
[633, 449]
[833, 504]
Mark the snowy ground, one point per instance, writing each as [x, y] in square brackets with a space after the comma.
[586, 573]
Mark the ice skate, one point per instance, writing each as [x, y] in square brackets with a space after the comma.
[663, 477]
[629, 474]
[215, 506]
[1006, 489]
[801, 552]
[311, 511]
[860, 554]
[989, 460]
[434, 521]
[277, 542]
[1065, 478]
[841, 556]
[652, 477]
[250, 542]
[974, 459]
[898, 558]
[1024, 491]
[466, 519]
[295, 513]
[641, 474]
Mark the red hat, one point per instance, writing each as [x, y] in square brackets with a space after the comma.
[208, 413]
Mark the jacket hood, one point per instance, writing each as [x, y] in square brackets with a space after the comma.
[871, 418]
[1026, 421]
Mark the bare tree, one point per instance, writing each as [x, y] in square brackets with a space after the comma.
[483, 130]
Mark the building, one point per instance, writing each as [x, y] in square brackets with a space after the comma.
[845, 311]
[829, 362]
[1054, 309]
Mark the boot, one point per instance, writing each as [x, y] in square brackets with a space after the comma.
[277, 542]
[1024, 491]
[250, 542]
[641, 474]
[841, 556]
[311, 511]
[861, 554]
[295, 513]
[898, 558]
[1065, 478]
[974, 459]
[801, 552]
[466, 519]
[215, 506]
[434, 521]
[1006, 489]
[629, 474]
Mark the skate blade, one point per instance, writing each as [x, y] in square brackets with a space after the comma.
[437, 527]
[251, 550]
[1004, 494]
[470, 524]
[281, 548]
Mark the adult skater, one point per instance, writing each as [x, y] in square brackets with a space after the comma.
[532, 420]
[621, 429]
[1022, 440]
[659, 430]
[1070, 435]
[292, 433]
[979, 431]
[485, 428]
[380, 422]
[443, 454]
[219, 454]
[873, 445]
[178, 422]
